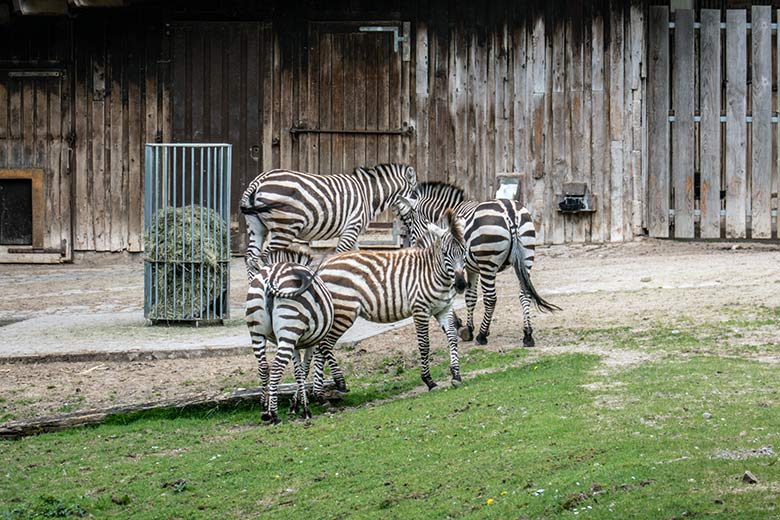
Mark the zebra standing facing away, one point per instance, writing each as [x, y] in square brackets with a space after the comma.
[387, 286]
[283, 205]
[289, 305]
[498, 233]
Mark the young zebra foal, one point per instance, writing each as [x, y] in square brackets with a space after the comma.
[387, 286]
[287, 304]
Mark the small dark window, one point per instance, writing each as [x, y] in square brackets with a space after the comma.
[16, 217]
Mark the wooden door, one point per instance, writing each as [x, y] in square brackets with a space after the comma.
[354, 115]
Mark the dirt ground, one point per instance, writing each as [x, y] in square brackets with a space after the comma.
[633, 285]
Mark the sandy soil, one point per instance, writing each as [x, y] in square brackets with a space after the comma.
[598, 286]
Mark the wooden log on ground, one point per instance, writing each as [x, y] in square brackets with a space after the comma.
[19, 429]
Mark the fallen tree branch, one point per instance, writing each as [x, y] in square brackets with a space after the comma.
[19, 429]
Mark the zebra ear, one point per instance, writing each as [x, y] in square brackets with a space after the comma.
[411, 176]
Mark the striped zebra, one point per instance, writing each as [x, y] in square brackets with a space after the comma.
[387, 286]
[289, 305]
[282, 205]
[498, 233]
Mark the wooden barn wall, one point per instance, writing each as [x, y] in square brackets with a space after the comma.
[35, 118]
[122, 77]
[554, 90]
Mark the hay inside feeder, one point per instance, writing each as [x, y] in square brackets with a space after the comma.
[189, 258]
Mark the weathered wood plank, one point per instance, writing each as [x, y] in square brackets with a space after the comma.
[83, 230]
[57, 180]
[267, 88]
[560, 159]
[682, 144]
[339, 58]
[287, 88]
[406, 101]
[360, 102]
[4, 132]
[421, 96]
[350, 90]
[586, 116]
[236, 133]
[326, 86]
[117, 207]
[658, 123]
[276, 106]
[538, 127]
[618, 178]
[135, 174]
[384, 55]
[313, 103]
[709, 202]
[761, 83]
[636, 97]
[373, 56]
[736, 127]
[600, 131]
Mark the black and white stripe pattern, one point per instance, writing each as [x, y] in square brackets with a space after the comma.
[282, 205]
[387, 286]
[498, 233]
[287, 304]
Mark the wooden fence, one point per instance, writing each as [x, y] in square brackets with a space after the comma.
[712, 125]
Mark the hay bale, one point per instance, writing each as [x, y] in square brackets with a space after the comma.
[190, 264]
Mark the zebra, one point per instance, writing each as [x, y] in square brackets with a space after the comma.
[387, 286]
[287, 303]
[282, 205]
[498, 233]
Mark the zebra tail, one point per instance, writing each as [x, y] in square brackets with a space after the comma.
[305, 276]
[518, 262]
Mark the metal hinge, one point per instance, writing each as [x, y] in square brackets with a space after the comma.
[398, 36]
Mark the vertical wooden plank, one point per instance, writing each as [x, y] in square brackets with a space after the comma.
[267, 85]
[561, 166]
[313, 103]
[519, 80]
[215, 85]
[164, 73]
[635, 95]
[349, 113]
[237, 112]
[458, 110]
[40, 149]
[28, 122]
[66, 179]
[394, 102]
[338, 59]
[100, 187]
[326, 86]
[538, 112]
[406, 101]
[385, 52]
[491, 114]
[83, 238]
[422, 94]
[135, 148]
[682, 144]
[118, 219]
[616, 107]
[287, 86]
[761, 81]
[736, 127]
[276, 107]
[576, 226]
[4, 133]
[57, 177]
[709, 202]
[198, 79]
[361, 41]
[372, 90]
[179, 83]
[472, 88]
[658, 122]
[584, 229]
[501, 114]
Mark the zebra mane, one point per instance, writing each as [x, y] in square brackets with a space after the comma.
[455, 225]
[440, 190]
[292, 254]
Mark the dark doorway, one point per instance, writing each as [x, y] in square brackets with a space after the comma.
[16, 215]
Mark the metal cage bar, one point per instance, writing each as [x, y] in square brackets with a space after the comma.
[187, 232]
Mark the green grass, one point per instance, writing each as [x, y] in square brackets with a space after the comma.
[545, 439]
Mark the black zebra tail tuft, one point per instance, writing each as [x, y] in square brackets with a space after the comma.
[524, 275]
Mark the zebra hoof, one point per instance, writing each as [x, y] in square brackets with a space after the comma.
[457, 382]
[466, 333]
[430, 383]
[481, 339]
[306, 415]
[275, 420]
[320, 399]
[341, 386]
[265, 416]
[528, 341]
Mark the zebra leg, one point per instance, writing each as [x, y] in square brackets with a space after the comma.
[467, 333]
[447, 321]
[335, 372]
[319, 373]
[283, 355]
[259, 343]
[300, 390]
[349, 238]
[489, 298]
[528, 339]
[421, 319]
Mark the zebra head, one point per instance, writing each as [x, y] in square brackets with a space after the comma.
[452, 245]
[406, 209]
